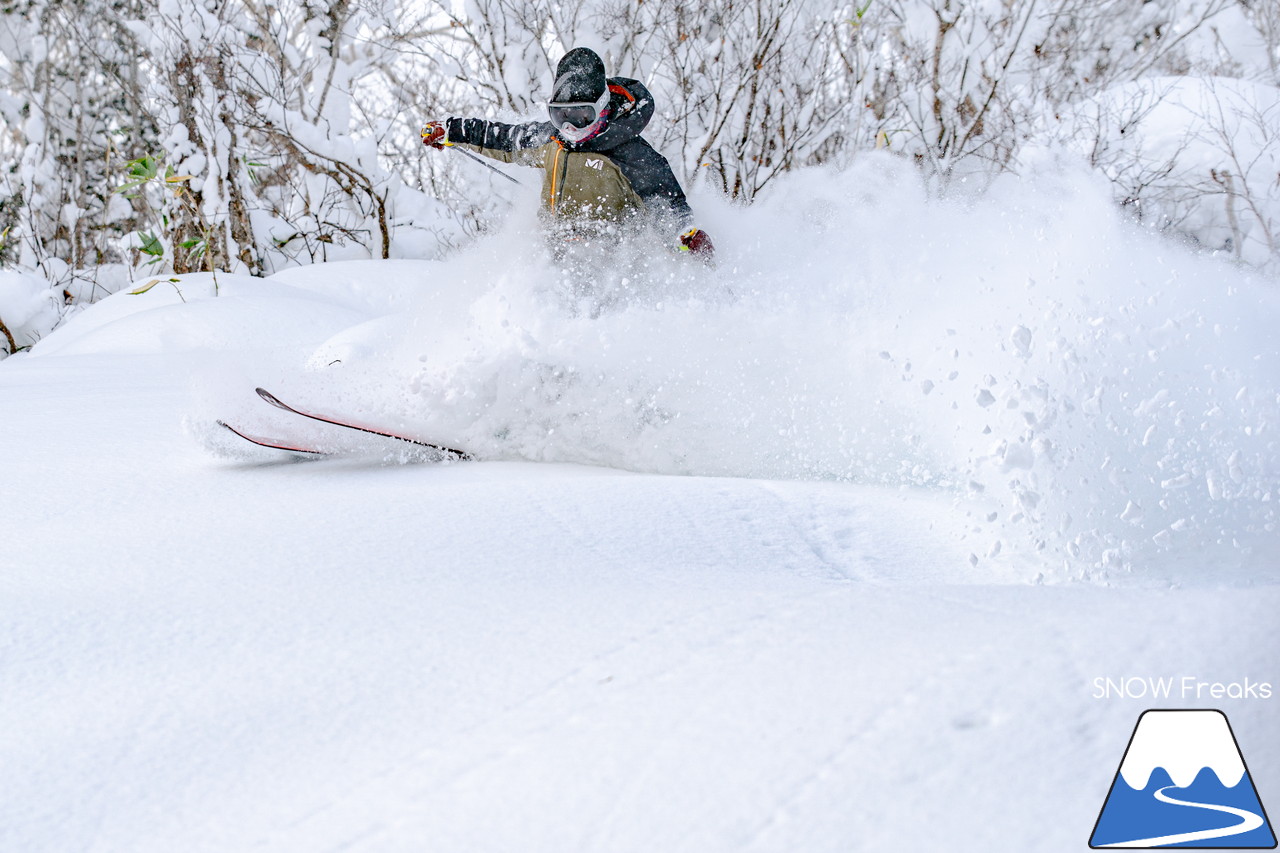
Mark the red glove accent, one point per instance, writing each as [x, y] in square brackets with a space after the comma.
[696, 241]
[435, 134]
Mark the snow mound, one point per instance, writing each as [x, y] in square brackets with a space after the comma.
[232, 313]
[28, 308]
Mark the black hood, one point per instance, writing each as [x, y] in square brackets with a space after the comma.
[579, 78]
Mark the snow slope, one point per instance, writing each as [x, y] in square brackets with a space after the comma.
[749, 599]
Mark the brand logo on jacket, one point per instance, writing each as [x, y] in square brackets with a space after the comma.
[598, 165]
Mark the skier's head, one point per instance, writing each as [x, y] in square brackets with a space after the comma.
[579, 103]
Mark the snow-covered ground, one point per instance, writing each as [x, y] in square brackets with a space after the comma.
[821, 551]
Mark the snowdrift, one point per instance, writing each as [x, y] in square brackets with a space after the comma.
[1093, 398]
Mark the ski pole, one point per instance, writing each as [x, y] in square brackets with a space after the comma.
[482, 162]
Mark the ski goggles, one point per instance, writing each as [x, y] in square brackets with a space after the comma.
[580, 115]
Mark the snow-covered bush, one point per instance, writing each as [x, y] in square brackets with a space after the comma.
[66, 110]
[292, 124]
[253, 110]
[28, 310]
[258, 103]
[1198, 157]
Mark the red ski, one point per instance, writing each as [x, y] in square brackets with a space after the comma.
[270, 442]
[325, 419]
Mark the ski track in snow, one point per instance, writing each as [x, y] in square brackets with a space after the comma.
[503, 656]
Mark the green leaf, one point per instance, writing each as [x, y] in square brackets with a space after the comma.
[144, 168]
[151, 245]
[144, 288]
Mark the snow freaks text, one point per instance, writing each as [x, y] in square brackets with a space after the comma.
[1173, 687]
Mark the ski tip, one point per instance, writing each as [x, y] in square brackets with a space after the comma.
[270, 398]
[270, 443]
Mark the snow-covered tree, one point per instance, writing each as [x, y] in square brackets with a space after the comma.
[69, 99]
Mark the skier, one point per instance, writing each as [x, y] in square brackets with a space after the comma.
[600, 179]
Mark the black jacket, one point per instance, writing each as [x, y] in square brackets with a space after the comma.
[611, 177]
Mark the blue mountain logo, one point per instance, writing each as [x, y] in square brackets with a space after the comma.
[1183, 783]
